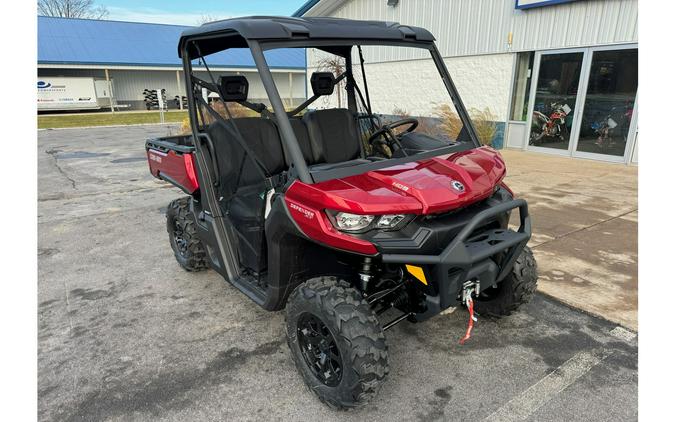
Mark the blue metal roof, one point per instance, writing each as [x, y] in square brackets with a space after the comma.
[102, 42]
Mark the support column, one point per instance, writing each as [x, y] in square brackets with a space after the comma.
[110, 92]
[290, 89]
[180, 91]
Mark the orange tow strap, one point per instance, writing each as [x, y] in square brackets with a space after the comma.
[472, 319]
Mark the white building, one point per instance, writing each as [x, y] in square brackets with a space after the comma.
[580, 55]
[135, 56]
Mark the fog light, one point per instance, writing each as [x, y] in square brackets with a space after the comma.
[389, 221]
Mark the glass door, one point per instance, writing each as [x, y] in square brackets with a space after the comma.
[554, 101]
[607, 113]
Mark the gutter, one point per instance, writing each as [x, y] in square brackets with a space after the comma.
[305, 8]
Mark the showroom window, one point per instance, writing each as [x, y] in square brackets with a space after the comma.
[521, 86]
[610, 99]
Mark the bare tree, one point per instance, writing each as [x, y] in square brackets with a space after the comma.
[72, 9]
[206, 18]
[335, 65]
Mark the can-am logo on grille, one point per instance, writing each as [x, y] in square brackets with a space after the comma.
[43, 84]
[457, 185]
[307, 213]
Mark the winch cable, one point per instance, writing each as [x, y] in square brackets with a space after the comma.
[472, 319]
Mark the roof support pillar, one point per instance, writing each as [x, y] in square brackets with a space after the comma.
[110, 93]
[287, 135]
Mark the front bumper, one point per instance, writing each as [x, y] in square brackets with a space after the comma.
[487, 256]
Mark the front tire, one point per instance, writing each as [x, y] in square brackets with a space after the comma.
[187, 247]
[515, 290]
[336, 342]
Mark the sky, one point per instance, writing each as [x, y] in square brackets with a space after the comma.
[192, 12]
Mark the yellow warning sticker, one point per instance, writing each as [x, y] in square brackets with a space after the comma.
[417, 272]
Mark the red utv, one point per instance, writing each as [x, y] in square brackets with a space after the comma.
[350, 210]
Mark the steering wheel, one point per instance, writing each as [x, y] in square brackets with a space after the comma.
[389, 137]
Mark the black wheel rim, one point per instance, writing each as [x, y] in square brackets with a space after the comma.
[179, 239]
[319, 349]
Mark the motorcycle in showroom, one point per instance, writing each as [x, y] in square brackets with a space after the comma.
[551, 127]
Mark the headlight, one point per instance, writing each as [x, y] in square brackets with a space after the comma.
[355, 223]
[352, 222]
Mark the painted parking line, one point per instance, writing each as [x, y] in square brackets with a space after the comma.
[623, 334]
[523, 405]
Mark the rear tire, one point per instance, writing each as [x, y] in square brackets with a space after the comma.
[187, 247]
[346, 368]
[514, 291]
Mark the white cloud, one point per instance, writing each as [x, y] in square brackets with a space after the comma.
[158, 16]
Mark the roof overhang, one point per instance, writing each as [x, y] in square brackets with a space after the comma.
[117, 66]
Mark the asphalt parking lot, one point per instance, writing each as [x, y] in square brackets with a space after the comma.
[125, 334]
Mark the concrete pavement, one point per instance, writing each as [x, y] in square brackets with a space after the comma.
[584, 230]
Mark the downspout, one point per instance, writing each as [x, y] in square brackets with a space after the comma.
[180, 96]
[110, 93]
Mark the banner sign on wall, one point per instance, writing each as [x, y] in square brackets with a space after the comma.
[528, 4]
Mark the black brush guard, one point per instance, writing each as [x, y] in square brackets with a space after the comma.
[487, 257]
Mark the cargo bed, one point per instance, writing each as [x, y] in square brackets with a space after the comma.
[171, 158]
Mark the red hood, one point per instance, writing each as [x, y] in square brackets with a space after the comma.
[421, 187]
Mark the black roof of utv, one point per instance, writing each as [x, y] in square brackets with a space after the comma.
[286, 28]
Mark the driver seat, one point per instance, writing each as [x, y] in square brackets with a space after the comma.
[334, 138]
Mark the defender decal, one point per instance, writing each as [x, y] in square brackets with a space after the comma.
[307, 213]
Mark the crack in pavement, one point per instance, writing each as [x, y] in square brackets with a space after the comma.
[67, 218]
[52, 153]
[112, 192]
[582, 229]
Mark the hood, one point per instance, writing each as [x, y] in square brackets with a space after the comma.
[423, 187]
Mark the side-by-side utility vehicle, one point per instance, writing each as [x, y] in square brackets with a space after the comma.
[356, 195]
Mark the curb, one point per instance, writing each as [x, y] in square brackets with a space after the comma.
[585, 311]
[111, 126]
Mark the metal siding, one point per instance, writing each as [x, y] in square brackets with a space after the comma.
[474, 27]
[128, 85]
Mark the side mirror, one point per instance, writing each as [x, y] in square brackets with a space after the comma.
[322, 83]
[234, 88]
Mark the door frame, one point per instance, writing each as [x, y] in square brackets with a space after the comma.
[580, 103]
[625, 158]
[533, 94]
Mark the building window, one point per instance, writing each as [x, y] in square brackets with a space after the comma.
[521, 86]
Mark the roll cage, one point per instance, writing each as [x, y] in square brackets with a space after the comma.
[335, 36]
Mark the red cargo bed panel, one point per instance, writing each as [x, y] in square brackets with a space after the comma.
[173, 161]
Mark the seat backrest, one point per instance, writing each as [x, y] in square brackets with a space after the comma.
[300, 131]
[333, 135]
[261, 137]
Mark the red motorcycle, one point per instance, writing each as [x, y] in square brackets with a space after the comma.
[550, 127]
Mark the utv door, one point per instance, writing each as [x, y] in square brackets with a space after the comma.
[248, 174]
[214, 228]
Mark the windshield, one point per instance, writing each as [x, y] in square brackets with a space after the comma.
[357, 108]
[397, 82]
